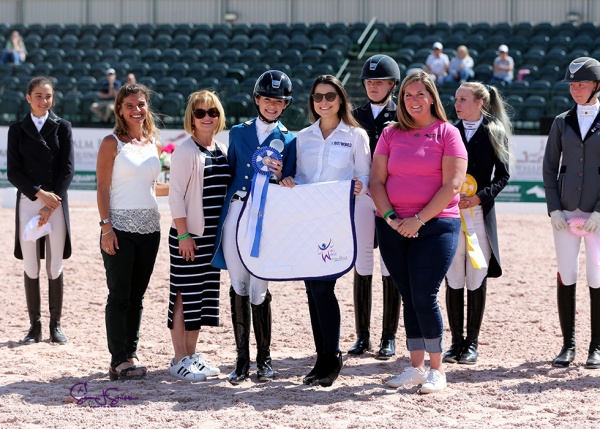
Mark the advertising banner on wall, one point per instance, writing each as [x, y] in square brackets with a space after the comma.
[525, 180]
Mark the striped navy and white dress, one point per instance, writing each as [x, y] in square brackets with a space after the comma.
[198, 281]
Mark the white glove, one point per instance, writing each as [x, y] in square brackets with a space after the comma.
[558, 220]
[593, 223]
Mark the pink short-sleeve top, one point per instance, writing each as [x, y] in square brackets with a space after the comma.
[415, 165]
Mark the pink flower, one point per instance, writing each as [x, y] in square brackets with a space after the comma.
[169, 147]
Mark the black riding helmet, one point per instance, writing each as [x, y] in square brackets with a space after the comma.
[584, 69]
[381, 67]
[273, 84]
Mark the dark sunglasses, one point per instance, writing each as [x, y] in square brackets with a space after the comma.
[213, 112]
[330, 96]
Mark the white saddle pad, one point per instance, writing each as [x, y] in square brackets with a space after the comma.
[307, 232]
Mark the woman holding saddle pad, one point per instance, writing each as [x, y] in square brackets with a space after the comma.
[418, 168]
[334, 147]
[485, 130]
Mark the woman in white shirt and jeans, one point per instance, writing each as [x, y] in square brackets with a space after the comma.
[335, 147]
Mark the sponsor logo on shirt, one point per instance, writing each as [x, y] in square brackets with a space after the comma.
[343, 144]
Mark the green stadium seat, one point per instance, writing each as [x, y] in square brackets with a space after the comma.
[260, 42]
[183, 29]
[149, 81]
[181, 42]
[230, 56]
[162, 41]
[260, 28]
[515, 103]
[179, 70]
[198, 70]
[240, 41]
[170, 55]
[186, 86]
[158, 70]
[11, 106]
[86, 84]
[190, 56]
[165, 84]
[222, 28]
[557, 105]
[70, 108]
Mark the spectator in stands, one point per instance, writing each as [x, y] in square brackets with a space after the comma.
[14, 50]
[250, 296]
[109, 86]
[437, 63]
[503, 67]
[461, 66]
[130, 78]
[40, 165]
[380, 77]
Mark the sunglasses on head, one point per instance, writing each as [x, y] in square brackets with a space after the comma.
[330, 96]
[213, 112]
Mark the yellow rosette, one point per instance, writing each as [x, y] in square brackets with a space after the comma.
[469, 188]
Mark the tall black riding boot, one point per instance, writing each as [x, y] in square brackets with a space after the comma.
[391, 315]
[363, 299]
[593, 360]
[455, 307]
[55, 301]
[565, 297]
[475, 308]
[240, 318]
[261, 320]
[32, 296]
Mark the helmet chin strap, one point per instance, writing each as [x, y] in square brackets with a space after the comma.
[268, 121]
[594, 92]
[387, 96]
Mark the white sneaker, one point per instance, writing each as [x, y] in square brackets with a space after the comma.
[186, 370]
[435, 382]
[204, 366]
[410, 375]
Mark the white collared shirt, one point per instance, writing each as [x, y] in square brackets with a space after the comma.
[376, 109]
[263, 129]
[471, 127]
[39, 122]
[586, 116]
[343, 155]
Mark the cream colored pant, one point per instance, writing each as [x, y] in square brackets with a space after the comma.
[55, 241]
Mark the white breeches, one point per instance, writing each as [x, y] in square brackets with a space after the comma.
[567, 248]
[55, 241]
[462, 272]
[364, 222]
[244, 283]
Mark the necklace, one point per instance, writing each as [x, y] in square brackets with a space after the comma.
[202, 146]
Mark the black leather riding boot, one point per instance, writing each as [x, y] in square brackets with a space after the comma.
[240, 318]
[32, 296]
[363, 299]
[593, 360]
[330, 370]
[455, 307]
[391, 316]
[475, 309]
[55, 301]
[565, 298]
[261, 320]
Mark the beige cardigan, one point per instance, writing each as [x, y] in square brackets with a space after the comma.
[186, 181]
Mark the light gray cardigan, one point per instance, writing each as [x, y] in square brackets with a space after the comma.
[186, 181]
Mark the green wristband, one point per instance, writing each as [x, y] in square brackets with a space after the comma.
[388, 213]
[183, 236]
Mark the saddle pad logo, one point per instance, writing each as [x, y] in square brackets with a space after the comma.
[328, 252]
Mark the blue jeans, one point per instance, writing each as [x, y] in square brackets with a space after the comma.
[10, 57]
[418, 266]
[325, 316]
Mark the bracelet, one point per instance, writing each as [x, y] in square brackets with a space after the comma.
[107, 232]
[419, 219]
[183, 236]
[388, 213]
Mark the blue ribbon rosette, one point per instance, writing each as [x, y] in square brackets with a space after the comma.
[261, 161]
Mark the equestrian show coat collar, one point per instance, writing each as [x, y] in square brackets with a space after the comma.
[572, 121]
[49, 128]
